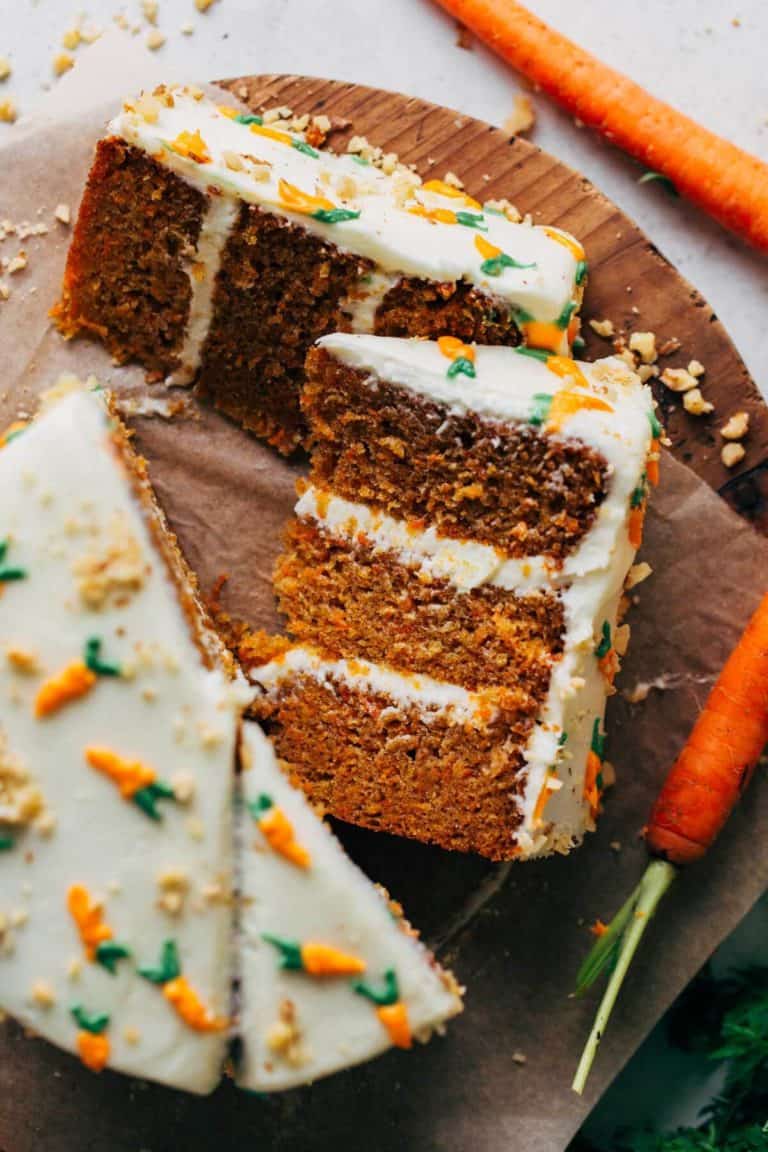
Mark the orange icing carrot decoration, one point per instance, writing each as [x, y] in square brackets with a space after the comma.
[272, 133]
[278, 832]
[88, 916]
[569, 242]
[566, 404]
[12, 431]
[192, 146]
[635, 523]
[607, 656]
[394, 1017]
[487, 250]
[314, 958]
[70, 684]
[136, 781]
[298, 201]
[92, 1042]
[566, 368]
[188, 1005]
[593, 779]
[390, 1010]
[539, 334]
[451, 347]
[652, 465]
[442, 189]
[437, 215]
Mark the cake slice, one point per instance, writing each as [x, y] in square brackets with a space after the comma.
[452, 585]
[330, 973]
[117, 748]
[211, 245]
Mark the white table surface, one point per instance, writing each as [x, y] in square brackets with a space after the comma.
[689, 52]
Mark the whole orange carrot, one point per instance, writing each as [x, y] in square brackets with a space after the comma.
[725, 181]
[698, 796]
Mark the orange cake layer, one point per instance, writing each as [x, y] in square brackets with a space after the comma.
[501, 483]
[348, 599]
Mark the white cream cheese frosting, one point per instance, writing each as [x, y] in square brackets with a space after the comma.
[430, 231]
[115, 784]
[306, 1012]
[507, 384]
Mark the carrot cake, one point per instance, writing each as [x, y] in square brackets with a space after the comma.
[330, 973]
[213, 247]
[119, 737]
[117, 747]
[451, 586]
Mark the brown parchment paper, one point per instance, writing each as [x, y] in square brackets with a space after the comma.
[515, 944]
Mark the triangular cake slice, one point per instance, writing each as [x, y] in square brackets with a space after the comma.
[117, 744]
[331, 974]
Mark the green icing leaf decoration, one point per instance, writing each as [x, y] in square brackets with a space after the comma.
[248, 118]
[604, 646]
[565, 316]
[495, 265]
[582, 268]
[334, 215]
[260, 805]
[169, 967]
[562, 739]
[639, 494]
[461, 366]
[388, 994]
[93, 659]
[109, 952]
[307, 149]
[471, 220]
[542, 402]
[651, 177]
[579, 343]
[534, 353]
[290, 952]
[597, 743]
[147, 798]
[6, 843]
[94, 1022]
[8, 573]
[9, 436]
[656, 428]
[361, 160]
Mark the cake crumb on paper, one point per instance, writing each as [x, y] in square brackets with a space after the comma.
[62, 214]
[8, 112]
[62, 62]
[155, 39]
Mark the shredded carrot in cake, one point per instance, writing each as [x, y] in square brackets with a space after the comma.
[74, 681]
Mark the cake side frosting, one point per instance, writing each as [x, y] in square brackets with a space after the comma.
[329, 975]
[116, 880]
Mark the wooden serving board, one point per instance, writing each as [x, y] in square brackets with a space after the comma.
[518, 951]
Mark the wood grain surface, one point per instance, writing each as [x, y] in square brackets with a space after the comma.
[518, 952]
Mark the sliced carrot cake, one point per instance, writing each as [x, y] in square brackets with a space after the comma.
[117, 749]
[451, 587]
[330, 973]
[211, 246]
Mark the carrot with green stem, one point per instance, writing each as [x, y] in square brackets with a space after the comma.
[722, 179]
[696, 799]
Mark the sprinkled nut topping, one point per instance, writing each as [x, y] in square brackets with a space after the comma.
[736, 427]
[678, 379]
[113, 573]
[155, 39]
[644, 343]
[22, 661]
[696, 368]
[603, 328]
[42, 994]
[695, 404]
[732, 454]
[285, 1038]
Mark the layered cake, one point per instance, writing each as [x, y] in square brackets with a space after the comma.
[119, 741]
[211, 246]
[330, 973]
[451, 587]
[117, 750]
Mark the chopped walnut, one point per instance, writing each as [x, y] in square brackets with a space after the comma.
[647, 372]
[42, 994]
[285, 1037]
[183, 787]
[644, 343]
[506, 207]
[62, 214]
[174, 886]
[732, 454]
[233, 160]
[637, 573]
[696, 368]
[22, 660]
[670, 345]
[621, 639]
[21, 801]
[736, 427]
[678, 379]
[453, 180]
[695, 404]
[149, 9]
[154, 40]
[603, 328]
[18, 263]
[523, 116]
[322, 124]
